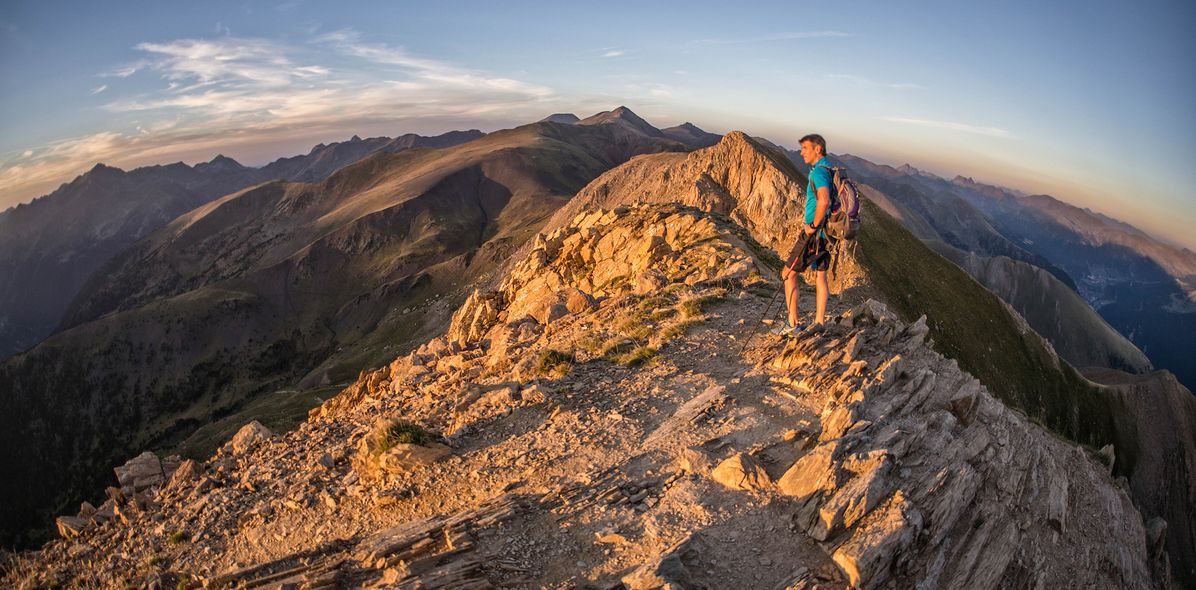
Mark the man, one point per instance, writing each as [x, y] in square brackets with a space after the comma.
[812, 239]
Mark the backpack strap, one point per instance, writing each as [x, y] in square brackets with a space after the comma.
[834, 189]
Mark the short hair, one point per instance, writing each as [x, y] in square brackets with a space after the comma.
[815, 139]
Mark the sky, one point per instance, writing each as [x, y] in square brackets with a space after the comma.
[1090, 102]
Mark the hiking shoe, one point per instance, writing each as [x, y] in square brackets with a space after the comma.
[786, 331]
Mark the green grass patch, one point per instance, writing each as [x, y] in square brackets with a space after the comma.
[676, 329]
[654, 302]
[617, 347]
[554, 362]
[635, 327]
[692, 307]
[662, 314]
[177, 537]
[399, 432]
[635, 357]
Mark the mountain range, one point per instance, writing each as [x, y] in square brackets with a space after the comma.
[265, 300]
[1141, 288]
[51, 246]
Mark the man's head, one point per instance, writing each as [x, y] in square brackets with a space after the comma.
[813, 148]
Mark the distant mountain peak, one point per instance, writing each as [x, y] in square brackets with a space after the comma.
[355, 138]
[220, 163]
[565, 118]
[625, 117]
[691, 135]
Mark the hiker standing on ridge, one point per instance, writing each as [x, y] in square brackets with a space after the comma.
[811, 247]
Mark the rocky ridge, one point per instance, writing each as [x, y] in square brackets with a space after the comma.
[606, 427]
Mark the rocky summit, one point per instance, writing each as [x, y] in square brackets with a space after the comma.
[606, 415]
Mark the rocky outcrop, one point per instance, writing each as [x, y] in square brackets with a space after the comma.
[602, 253]
[921, 475]
[753, 185]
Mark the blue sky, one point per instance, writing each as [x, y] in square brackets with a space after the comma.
[1091, 102]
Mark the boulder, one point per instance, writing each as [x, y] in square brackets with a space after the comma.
[741, 472]
[70, 527]
[141, 472]
[578, 301]
[248, 436]
[813, 473]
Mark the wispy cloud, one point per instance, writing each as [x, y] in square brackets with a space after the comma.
[349, 42]
[226, 61]
[788, 36]
[126, 70]
[662, 91]
[950, 126]
[862, 81]
[613, 53]
[57, 161]
[99, 89]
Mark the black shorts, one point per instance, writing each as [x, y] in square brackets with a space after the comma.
[809, 251]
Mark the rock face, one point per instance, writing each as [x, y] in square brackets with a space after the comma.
[598, 254]
[579, 451]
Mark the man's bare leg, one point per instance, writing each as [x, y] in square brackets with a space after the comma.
[791, 294]
[821, 290]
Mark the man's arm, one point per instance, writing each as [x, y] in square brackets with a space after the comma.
[824, 203]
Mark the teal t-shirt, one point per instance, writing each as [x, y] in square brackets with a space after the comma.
[820, 177]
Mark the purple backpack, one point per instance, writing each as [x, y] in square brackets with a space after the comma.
[844, 221]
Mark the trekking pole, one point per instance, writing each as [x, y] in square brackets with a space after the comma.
[756, 327]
